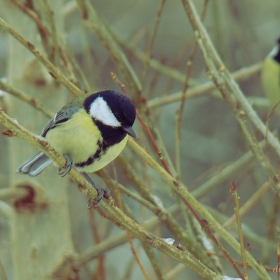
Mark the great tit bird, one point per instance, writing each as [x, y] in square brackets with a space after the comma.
[90, 131]
[270, 76]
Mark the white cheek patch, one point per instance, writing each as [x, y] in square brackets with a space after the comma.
[100, 111]
[274, 51]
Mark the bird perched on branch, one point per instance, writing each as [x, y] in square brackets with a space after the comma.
[270, 76]
[90, 131]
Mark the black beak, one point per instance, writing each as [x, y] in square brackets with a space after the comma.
[130, 131]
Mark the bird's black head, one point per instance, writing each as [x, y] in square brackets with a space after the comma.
[112, 109]
[276, 54]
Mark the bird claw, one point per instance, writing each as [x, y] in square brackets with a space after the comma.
[101, 192]
[94, 203]
[69, 162]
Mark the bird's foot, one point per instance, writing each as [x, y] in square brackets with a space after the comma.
[101, 192]
[69, 162]
[94, 203]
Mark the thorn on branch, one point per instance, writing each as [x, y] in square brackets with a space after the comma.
[52, 75]
[7, 133]
[31, 46]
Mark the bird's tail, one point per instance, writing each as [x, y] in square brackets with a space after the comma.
[35, 165]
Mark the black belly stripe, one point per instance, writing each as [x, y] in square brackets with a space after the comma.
[111, 136]
[102, 148]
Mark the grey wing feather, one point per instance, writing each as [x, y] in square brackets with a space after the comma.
[35, 165]
[60, 117]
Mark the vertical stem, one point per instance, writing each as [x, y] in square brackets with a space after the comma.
[233, 191]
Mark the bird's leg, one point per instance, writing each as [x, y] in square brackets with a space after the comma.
[69, 162]
[101, 192]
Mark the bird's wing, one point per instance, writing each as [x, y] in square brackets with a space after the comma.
[62, 116]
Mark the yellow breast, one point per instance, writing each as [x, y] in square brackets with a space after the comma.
[79, 138]
[270, 78]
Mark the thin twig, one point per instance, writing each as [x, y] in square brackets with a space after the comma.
[78, 68]
[236, 198]
[97, 25]
[227, 86]
[226, 173]
[119, 199]
[26, 98]
[67, 66]
[278, 256]
[239, 75]
[45, 7]
[145, 128]
[271, 227]
[150, 46]
[248, 204]
[183, 193]
[3, 274]
[167, 219]
[55, 73]
[205, 227]
[179, 113]
[34, 16]
[170, 72]
[267, 268]
[118, 240]
[100, 270]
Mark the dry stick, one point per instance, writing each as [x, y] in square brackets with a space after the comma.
[147, 249]
[67, 65]
[226, 173]
[154, 64]
[77, 67]
[150, 46]
[95, 23]
[94, 229]
[55, 73]
[54, 50]
[267, 268]
[118, 240]
[26, 98]
[224, 81]
[178, 120]
[179, 113]
[278, 256]
[271, 227]
[167, 169]
[116, 215]
[209, 233]
[226, 255]
[34, 16]
[183, 192]
[12, 193]
[120, 203]
[176, 64]
[205, 227]
[45, 7]
[45, 33]
[51, 50]
[81, 4]
[249, 204]
[3, 274]
[233, 191]
[136, 197]
[145, 127]
[155, 146]
[255, 147]
[239, 75]
[193, 245]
